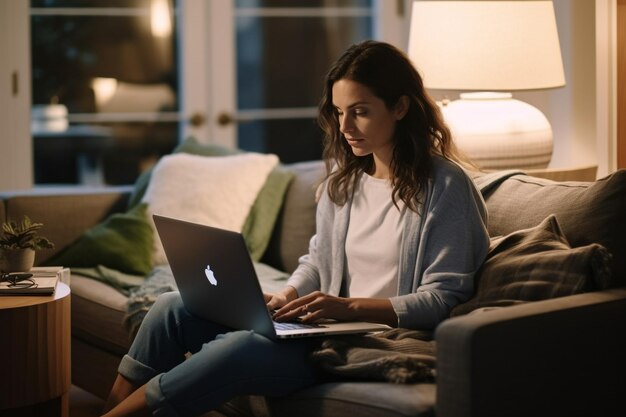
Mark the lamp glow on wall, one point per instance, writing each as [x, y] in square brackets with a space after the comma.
[490, 48]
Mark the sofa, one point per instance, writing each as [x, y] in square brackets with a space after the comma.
[554, 356]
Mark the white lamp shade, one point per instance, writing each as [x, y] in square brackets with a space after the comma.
[486, 45]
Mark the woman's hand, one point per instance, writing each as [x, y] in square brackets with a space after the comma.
[277, 300]
[317, 306]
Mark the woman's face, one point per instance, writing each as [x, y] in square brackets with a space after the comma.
[367, 124]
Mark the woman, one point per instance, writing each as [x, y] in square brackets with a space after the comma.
[400, 234]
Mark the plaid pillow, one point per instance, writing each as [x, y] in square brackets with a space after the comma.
[588, 212]
[536, 264]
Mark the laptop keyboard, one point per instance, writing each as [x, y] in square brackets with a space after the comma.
[294, 326]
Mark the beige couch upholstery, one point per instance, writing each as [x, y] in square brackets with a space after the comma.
[563, 356]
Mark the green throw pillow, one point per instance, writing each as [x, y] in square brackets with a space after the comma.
[260, 222]
[124, 242]
[257, 230]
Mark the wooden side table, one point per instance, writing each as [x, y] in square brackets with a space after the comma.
[35, 375]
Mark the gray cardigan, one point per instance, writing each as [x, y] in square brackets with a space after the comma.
[441, 249]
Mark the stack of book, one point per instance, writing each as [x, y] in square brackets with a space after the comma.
[41, 280]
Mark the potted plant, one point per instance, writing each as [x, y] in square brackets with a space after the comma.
[18, 244]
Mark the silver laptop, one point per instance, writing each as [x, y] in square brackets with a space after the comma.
[217, 281]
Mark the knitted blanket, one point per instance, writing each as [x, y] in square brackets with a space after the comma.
[141, 298]
[399, 356]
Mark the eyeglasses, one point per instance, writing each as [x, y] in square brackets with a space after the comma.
[18, 280]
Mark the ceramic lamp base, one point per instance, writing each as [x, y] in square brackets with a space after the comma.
[499, 132]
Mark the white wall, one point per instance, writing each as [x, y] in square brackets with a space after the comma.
[572, 109]
[15, 141]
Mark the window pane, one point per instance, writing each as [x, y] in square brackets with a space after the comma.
[113, 66]
[272, 73]
[70, 53]
[292, 140]
[275, 74]
[109, 153]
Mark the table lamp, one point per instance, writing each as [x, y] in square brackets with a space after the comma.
[490, 48]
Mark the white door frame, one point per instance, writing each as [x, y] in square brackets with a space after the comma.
[606, 86]
[207, 58]
[16, 153]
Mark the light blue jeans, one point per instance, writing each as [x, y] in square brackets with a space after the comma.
[224, 363]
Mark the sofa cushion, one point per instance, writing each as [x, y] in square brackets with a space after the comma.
[363, 399]
[80, 209]
[216, 191]
[98, 311]
[190, 146]
[296, 223]
[536, 264]
[588, 213]
[257, 229]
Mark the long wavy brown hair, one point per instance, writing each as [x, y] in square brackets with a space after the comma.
[422, 133]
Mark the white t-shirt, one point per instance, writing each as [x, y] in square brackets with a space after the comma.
[373, 240]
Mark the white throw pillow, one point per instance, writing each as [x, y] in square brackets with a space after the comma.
[216, 191]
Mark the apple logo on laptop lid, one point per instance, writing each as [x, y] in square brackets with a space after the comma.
[210, 276]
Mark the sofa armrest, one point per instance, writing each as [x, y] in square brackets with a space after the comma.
[66, 212]
[564, 356]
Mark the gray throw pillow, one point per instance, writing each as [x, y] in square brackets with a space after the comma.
[296, 224]
[588, 212]
[536, 264]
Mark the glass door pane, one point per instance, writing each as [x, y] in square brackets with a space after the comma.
[105, 88]
[284, 50]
